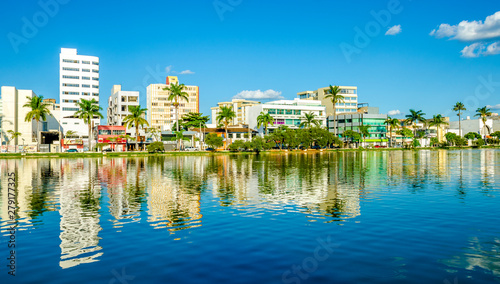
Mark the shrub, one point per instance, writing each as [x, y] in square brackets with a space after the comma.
[214, 141]
[472, 135]
[479, 142]
[156, 147]
[236, 146]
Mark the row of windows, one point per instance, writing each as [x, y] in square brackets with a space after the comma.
[70, 109]
[71, 69]
[347, 105]
[78, 93]
[78, 61]
[71, 85]
[347, 91]
[111, 132]
[78, 77]
[283, 111]
[70, 101]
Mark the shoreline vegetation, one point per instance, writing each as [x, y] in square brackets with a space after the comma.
[225, 152]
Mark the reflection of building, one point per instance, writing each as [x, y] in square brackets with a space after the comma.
[79, 210]
[79, 79]
[290, 113]
[240, 108]
[350, 95]
[161, 111]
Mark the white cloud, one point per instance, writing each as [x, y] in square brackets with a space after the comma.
[186, 72]
[470, 31]
[495, 107]
[394, 112]
[394, 30]
[480, 49]
[168, 69]
[258, 94]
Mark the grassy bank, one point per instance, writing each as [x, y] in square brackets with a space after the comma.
[205, 153]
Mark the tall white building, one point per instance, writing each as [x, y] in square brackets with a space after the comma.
[79, 79]
[290, 113]
[118, 106]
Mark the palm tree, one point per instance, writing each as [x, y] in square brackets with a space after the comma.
[459, 107]
[363, 130]
[225, 116]
[264, 119]
[89, 110]
[13, 135]
[155, 133]
[438, 121]
[179, 136]
[177, 94]
[69, 133]
[135, 119]
[310, 121]
[392, 123]
[413, 118]
[483, 112]
[39, 111]
[333, 94]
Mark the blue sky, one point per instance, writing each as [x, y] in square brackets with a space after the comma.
[287, 47]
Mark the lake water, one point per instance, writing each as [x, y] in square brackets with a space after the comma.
[351, 217]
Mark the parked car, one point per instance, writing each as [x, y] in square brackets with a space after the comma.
[71, 151]
[190, 149]
[107, 150]
[379, 146]
[209, 149]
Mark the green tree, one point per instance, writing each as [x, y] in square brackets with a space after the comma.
[392, 123]
[364, 132]
[310, 120]
[333, 94]
[70, 134]
[451, 138]
[438, 121]
[193, 119]
[459, 107]
[135, 119]
[225, 116]
[278, 136]
[413, 118]
[472, 135]
[434, 141]
[495, 134]
[38, 111]
[179, 136]
[155, 133]
[88, 110]
[13, 136]
[236, 145]
[264, 119]
[483, 113]
[352, 135]
[214, 141]
[177, 94]
[156, 147]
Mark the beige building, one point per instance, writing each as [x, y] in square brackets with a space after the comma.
[161, 112]
[240, 107]
[349, 105]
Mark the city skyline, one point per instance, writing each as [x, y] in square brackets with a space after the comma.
[404, 60]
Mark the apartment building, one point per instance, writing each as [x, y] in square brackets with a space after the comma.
[240, 108]
[118, 106]
[286, 112]
[350, 94]
[78, 79]
[161, 112]
[368, 116]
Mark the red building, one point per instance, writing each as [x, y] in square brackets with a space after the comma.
[112, 135]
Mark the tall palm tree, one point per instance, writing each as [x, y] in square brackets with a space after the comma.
[225, 116]
[177, 94]
[310, 120]
[333, 94]
[364, 131]
[264, 119]
[483, 113]
[459, 107]
[39, 111]
[438, 121]
[13, 135]
[413, 118]
[135, 119]
[88, 110]
[69, 133]
[392, 123]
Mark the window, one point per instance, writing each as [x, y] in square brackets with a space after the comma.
[104, 132]
[118, 132]
[279, 121]
[86, 78]
[95, 63]
[320, 112]
[71, 77]
[85, 70]
[71, 69]
[85, 86]
[238, 135]
[289, 111]
[297, 112]
[70, 109]
[95, 79]
[95, 94]
[70, 61]
[281, 111]
[71, 85]
[95, 86]
[71, 93]
[271, 111]
[95, 71]
[86, 94]
[65, 123]
[289, 121]
[86, 62]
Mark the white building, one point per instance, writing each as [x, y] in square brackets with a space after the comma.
[240, 108]
[473, 125]
[14, 114]
[118, 106]
[286, 112]
[79, 79]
